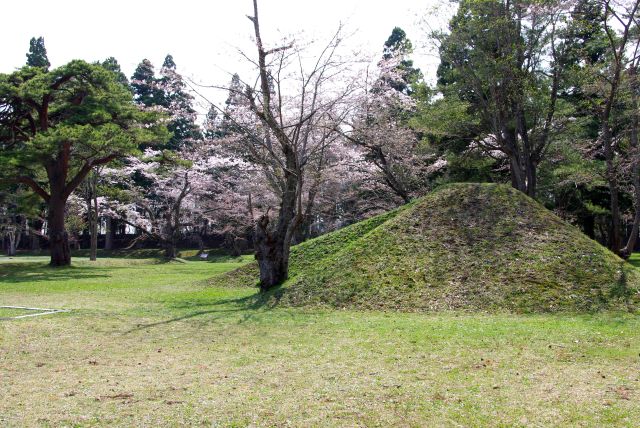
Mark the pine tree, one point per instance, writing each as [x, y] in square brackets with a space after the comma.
[112, 64]
[37, 55]
[86, 118]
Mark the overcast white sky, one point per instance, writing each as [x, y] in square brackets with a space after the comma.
[202, 36]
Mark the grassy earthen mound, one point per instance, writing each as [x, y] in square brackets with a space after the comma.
[462, 247]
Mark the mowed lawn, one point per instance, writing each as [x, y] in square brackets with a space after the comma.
[147, 343]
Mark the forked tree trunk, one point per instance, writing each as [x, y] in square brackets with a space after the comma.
[11, 248]
[58, 236]
[14, 234]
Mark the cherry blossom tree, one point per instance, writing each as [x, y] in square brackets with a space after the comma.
[379, 129]
[284, 125]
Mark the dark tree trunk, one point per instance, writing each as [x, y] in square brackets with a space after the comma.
[170, 250]
[517, 174]
[92, 217]
[108, 237]
[304, 231]
[93, 248]
[58, 236]
[531, 178]
[633, 237]
[93, 252]
[36, 229]
[589, 226]
[527, 156]
[200, 240]
[274, 265]
[169, 240]
[273, 247]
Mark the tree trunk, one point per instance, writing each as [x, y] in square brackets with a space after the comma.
[170, 249]
[528, 162]
[589, 226]
[14, 234]
[615, 240]
[108, 236]
[36, 229]
[93, 252]
[91, 221]
[200, 240]
[58, 236]
[517, 174]
[531, 178]
[93, 249]
[272, 247]
[11, 248]
[274, 265]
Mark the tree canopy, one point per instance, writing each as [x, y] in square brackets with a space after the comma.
[55, 126]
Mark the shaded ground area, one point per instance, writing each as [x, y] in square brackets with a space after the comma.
[149, 343]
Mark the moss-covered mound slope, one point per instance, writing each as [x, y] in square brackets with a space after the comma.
[463, 247]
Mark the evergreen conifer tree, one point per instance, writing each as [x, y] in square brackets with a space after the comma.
[37, 55]
[144, 84]
[179, 102]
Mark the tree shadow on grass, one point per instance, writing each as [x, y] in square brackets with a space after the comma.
[30, 272]
[249, 305]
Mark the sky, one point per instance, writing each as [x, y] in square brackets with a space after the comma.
[204, 37]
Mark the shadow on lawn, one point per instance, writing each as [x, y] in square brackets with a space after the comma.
[634, 260]
[249, 305]
[29, 272]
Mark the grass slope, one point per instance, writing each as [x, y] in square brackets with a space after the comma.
[464, 246]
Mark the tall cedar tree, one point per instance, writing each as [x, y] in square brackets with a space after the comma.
[37, 55]
[179, 104]
[399, 46]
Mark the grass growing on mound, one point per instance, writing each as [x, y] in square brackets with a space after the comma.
[464, 246]
[310, 253]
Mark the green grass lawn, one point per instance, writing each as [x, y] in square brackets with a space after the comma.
[148, 343]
